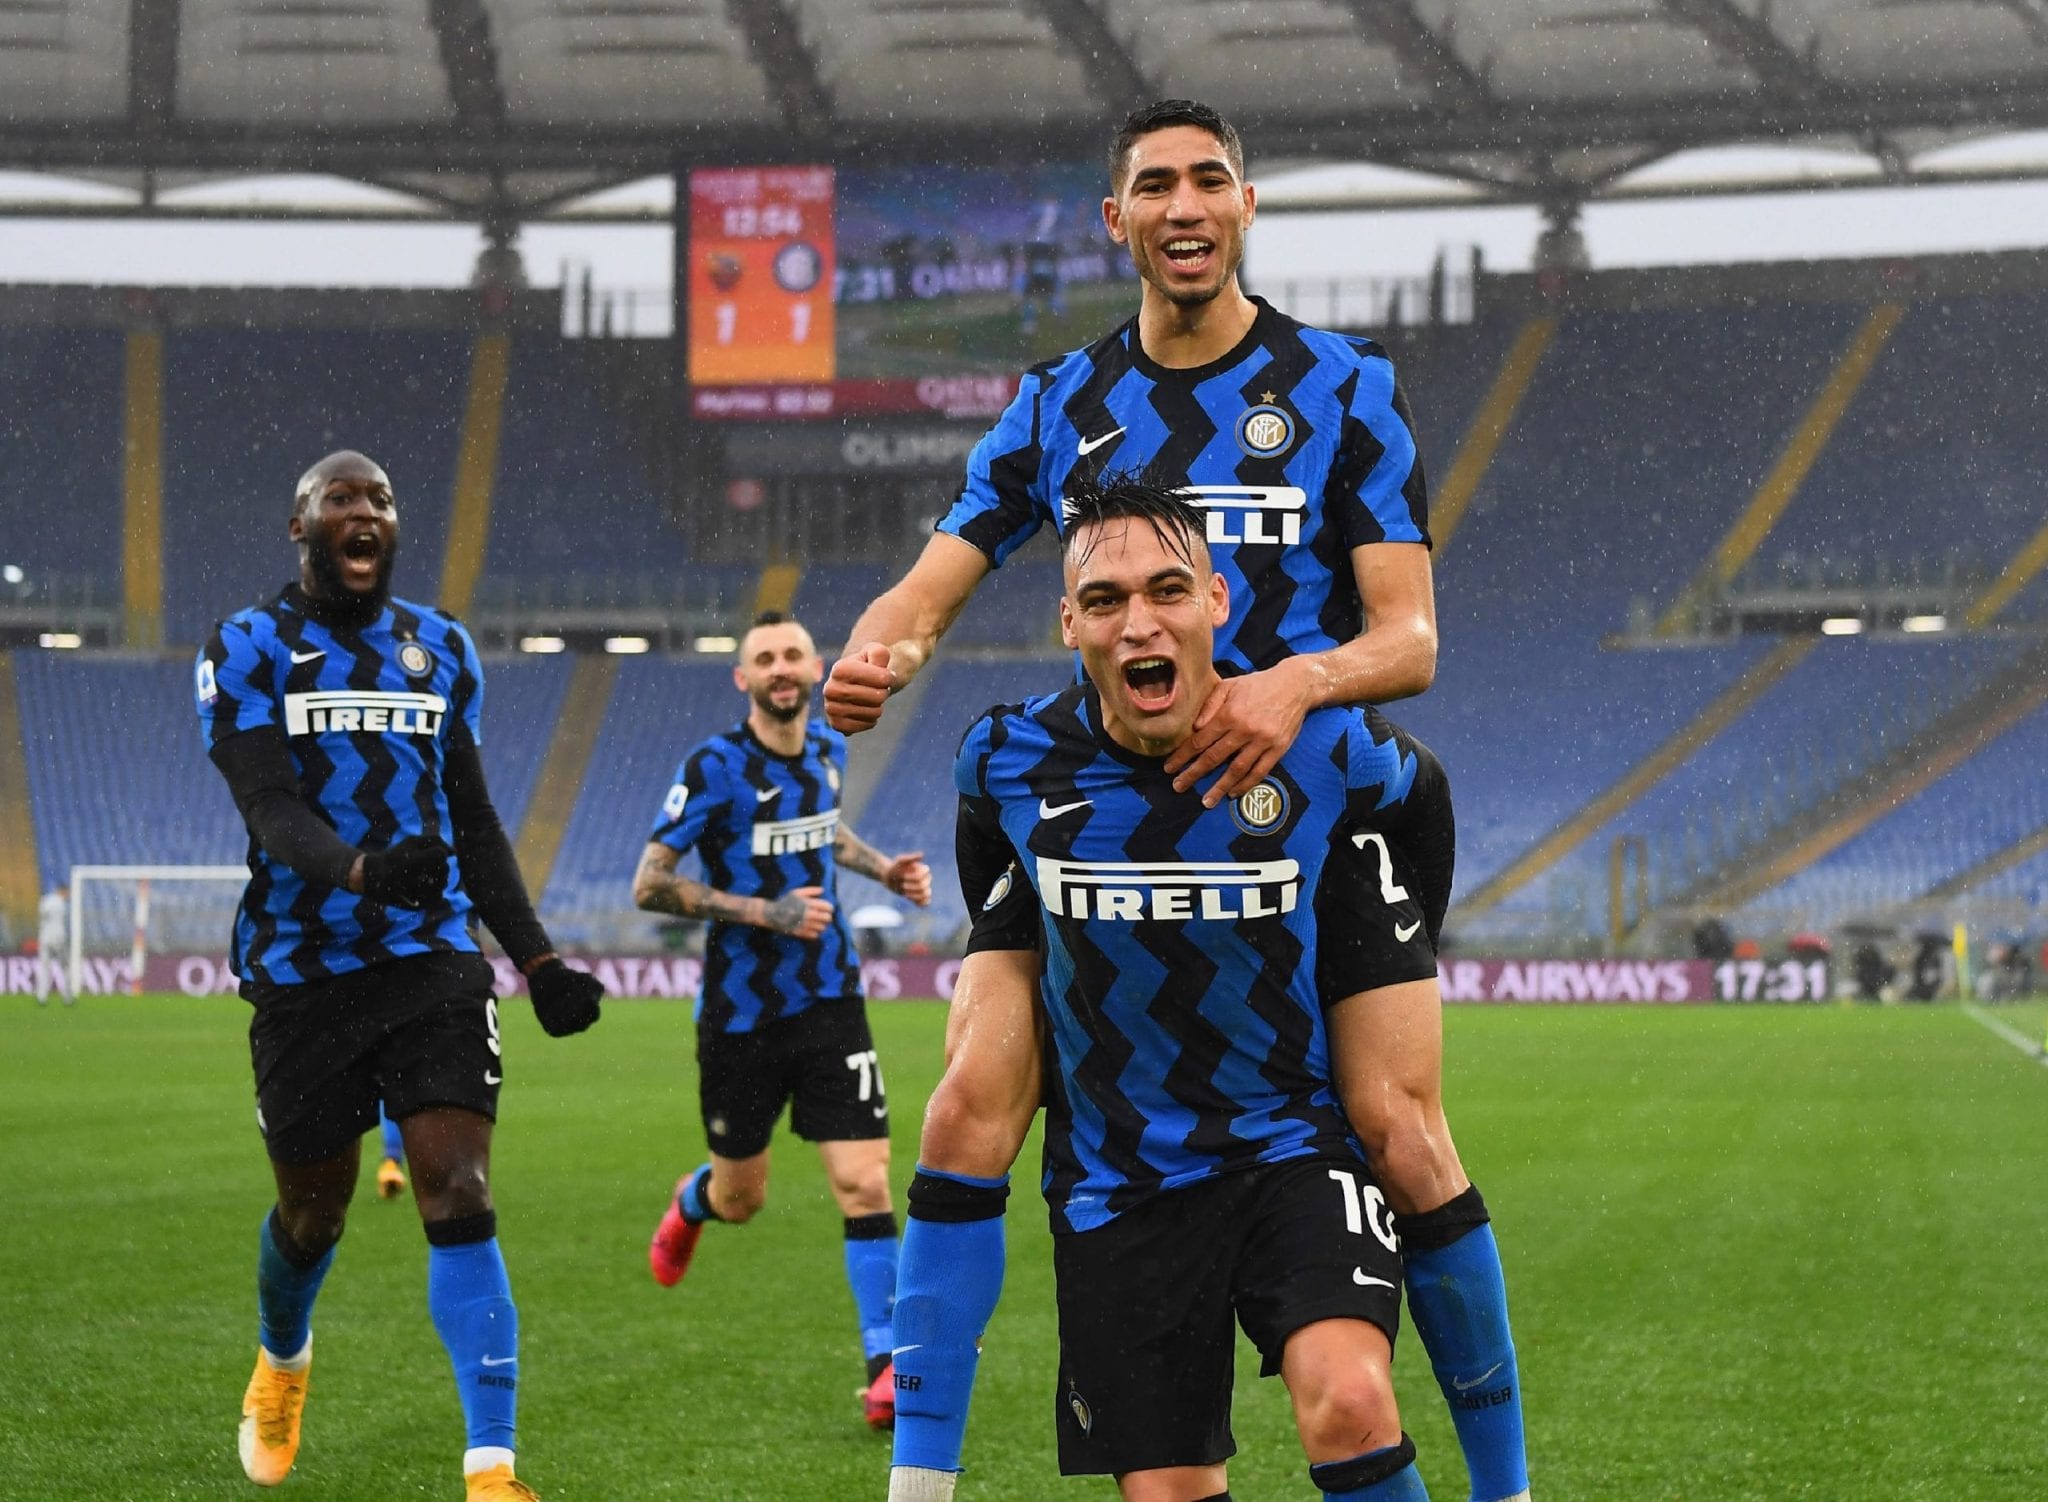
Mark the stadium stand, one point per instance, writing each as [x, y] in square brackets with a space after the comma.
[571, 497]
[1943, 456]
[1632, 441]
[1991, 801]
[914, 805]
[246, 410]
[60, 454]
[660, 707]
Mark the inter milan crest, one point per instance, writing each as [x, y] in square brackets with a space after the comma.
[1264, 430]
[414, 659]
[1259, 809]
[1000, 890]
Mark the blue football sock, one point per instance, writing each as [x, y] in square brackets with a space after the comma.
[871, 1273]
[287, 1282]
[1387, 1475]
[1459, 1302]
[471, 1301]
[691, 1201]
[394, 1141]
[947, 1284]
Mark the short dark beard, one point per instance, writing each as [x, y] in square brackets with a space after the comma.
[337, 602]
[768, 707]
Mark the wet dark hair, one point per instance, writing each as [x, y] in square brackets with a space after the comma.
[1126, 498]
[771, 618]
[1163, 114]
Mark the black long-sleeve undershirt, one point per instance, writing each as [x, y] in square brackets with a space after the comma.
[259, 771]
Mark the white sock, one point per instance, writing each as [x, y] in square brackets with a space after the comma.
[483, 1457]
[910, 1483]
[295, 1363]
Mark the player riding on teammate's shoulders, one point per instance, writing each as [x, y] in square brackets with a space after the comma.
[1296, 446]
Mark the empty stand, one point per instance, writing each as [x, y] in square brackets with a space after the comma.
[247, 411]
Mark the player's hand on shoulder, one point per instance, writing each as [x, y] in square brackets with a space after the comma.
[564, 1000]
[858, 688]
[412, 873]
[1248, 724]
[802, 913]
[908, 876]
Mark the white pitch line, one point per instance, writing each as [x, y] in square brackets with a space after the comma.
[2011, 1035]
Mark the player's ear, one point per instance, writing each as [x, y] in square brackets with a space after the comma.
[1251, 204]
[1113, 220]
[1067, 637]
[739, 678]
[1219, 599]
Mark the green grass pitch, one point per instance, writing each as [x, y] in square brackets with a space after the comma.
[1753, 1253]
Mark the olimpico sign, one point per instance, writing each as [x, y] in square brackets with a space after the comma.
[916, 976]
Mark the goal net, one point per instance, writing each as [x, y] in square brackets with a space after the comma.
[124, 914]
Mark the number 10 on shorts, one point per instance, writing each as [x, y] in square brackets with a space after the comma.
[1365, 1208]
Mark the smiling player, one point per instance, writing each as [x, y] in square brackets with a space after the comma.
[781, 1020]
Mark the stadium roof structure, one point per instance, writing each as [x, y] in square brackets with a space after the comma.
[519, 109]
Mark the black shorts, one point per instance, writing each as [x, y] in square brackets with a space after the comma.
[1370, 929]
[412, 1032]
[821, 1062]
[1147, 1351]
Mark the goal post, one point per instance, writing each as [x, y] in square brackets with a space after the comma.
[89, 905]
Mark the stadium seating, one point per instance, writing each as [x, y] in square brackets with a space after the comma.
[1991, 801]
[1941, 457]
[60, 453]
[571, 497]
[247, 410]
[660, 707]
[914, 805]
[1642, 438]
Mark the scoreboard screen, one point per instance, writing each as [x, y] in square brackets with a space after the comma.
[823, 293]
[762, 265]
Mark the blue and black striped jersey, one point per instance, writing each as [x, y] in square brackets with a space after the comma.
[367, 714]
[1297, 443]
[764, 825]
[1180, 975]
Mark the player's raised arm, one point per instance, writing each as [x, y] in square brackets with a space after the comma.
[658, 888]
[906, 875]
[895, 635]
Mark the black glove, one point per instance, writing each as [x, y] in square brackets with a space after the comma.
[412, 873]
[564, 1000]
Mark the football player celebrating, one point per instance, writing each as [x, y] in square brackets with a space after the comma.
[781, 1020]
[346, 723]
[1297, 446]
[1199, 1167]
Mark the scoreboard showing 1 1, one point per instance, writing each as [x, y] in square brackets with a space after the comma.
[761, 273]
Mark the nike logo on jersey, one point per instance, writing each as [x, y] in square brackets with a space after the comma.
[307, 656]
[1358, 1276]
[1088, 446]
[1046, 810]
[1403, 932]
[492, 1077]
[762, 795]
[1468, 1386]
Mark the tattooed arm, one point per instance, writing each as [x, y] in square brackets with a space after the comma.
[905, 875]
[658, 889]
